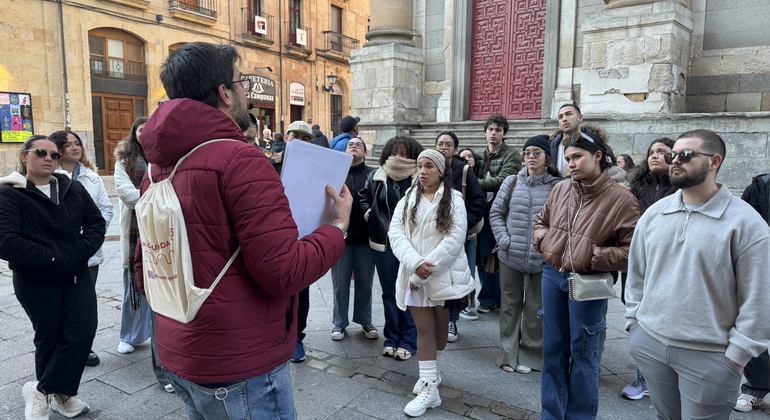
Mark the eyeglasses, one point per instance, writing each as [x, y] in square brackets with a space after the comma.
[245, 83]
[42, 153]
[533, 153]
[356, 144]
[684, 156]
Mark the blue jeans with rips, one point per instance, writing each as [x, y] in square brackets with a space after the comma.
[573, 340]
[357, 260]
[399, 328]
[267, 396]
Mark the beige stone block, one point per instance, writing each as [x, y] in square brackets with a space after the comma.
[662, 79]
[595, 55]
[605, 35]
[624, 52]
[659, 49]
[743, 102]
[764, 105]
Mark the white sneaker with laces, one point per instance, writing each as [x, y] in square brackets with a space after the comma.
[427, 398]
[746, 403]
[68, 406]
[37, 407]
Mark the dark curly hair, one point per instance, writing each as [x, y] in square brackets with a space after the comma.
[638, 179]
[410, 145]
[60, 138]
[499, 120]
[444, 219]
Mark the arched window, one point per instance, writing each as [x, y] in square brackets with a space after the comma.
[116, 54]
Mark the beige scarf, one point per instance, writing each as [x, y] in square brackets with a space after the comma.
[399, 168]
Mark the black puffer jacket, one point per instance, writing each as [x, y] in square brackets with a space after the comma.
[358, 231]
[378, 200]
[44, 239]
[475, 200]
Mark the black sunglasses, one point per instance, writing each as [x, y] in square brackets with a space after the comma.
[684, 156]
[42, 153]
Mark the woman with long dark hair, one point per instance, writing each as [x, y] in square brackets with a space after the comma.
[584, 228]
[382, 191]
[136, 316]
[76, 163]
[49, 228]
[427, 233]
[649, 183]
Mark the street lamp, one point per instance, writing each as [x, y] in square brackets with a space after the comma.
[332, 79]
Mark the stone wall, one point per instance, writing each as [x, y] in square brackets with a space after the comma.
[730, 69]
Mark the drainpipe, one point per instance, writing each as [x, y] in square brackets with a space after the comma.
[280, 62]
[67, 116]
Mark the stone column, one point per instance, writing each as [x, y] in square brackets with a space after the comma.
[387, 74]
[390, 22]
[635, 57]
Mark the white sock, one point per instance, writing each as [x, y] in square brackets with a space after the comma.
[428, 370]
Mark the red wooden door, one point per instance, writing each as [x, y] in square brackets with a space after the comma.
[507, 58]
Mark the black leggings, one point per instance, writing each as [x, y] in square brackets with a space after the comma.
[63, 315]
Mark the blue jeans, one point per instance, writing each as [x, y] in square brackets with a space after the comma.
[573, 340]
[490, 283]
[358, 260]
[267, 396]
[470, 252]
[399, 326]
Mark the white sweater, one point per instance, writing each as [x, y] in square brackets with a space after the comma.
[699, 279]
[128, 196]
[451, 278]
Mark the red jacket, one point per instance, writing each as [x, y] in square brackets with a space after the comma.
[230, 196]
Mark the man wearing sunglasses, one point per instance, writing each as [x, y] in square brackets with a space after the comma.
[231, 360]
[697, 293]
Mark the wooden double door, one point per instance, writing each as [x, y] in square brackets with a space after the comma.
[117, 114]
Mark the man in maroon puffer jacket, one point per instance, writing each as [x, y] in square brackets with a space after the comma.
[231, 360]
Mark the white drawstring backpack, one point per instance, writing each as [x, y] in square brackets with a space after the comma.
[169, 282]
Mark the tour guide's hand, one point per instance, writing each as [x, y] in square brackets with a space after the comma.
[425, 270]
[342, 204]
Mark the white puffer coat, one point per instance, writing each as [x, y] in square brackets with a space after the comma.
[451, 278]
[95, 187]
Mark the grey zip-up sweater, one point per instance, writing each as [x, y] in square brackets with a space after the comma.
[699, 279]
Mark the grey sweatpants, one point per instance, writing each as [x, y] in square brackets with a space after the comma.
[684, 383]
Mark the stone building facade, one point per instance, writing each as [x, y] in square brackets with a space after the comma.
[93, 65]
[641, 68]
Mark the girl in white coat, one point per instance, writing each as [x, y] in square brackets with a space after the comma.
[427, 233]
[79, 168]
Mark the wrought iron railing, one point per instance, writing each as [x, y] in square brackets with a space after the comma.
[251, 26]
[334, 41]
[294, 38]
[204, 7]
[118, 69]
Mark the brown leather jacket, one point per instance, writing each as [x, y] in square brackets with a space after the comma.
[601, 229]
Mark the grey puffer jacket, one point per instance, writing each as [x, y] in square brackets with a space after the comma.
[512, 216]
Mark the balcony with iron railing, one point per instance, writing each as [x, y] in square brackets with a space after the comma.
[295, 40]
[250, 26]
[203, 12]
[339, 43]
[118, 69]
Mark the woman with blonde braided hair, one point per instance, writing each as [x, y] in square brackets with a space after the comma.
[427, 234]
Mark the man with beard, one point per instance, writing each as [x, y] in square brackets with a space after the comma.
[230, 361]
[697, 287]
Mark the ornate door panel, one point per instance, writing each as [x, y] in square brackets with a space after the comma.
[118, 115]
[507, 58]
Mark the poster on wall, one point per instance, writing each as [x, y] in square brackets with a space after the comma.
[16, 123]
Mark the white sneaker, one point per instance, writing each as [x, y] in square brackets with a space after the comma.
[452, 332]
[420, 382]
[523, 369]
[125, 348]
[338, 333]
[37, 407]
[427, 398]
[746, 403]
[68, 406]
[169, 388]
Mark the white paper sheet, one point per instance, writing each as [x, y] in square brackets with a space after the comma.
[307, 168]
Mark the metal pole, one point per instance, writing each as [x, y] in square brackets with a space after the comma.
[67, 116]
